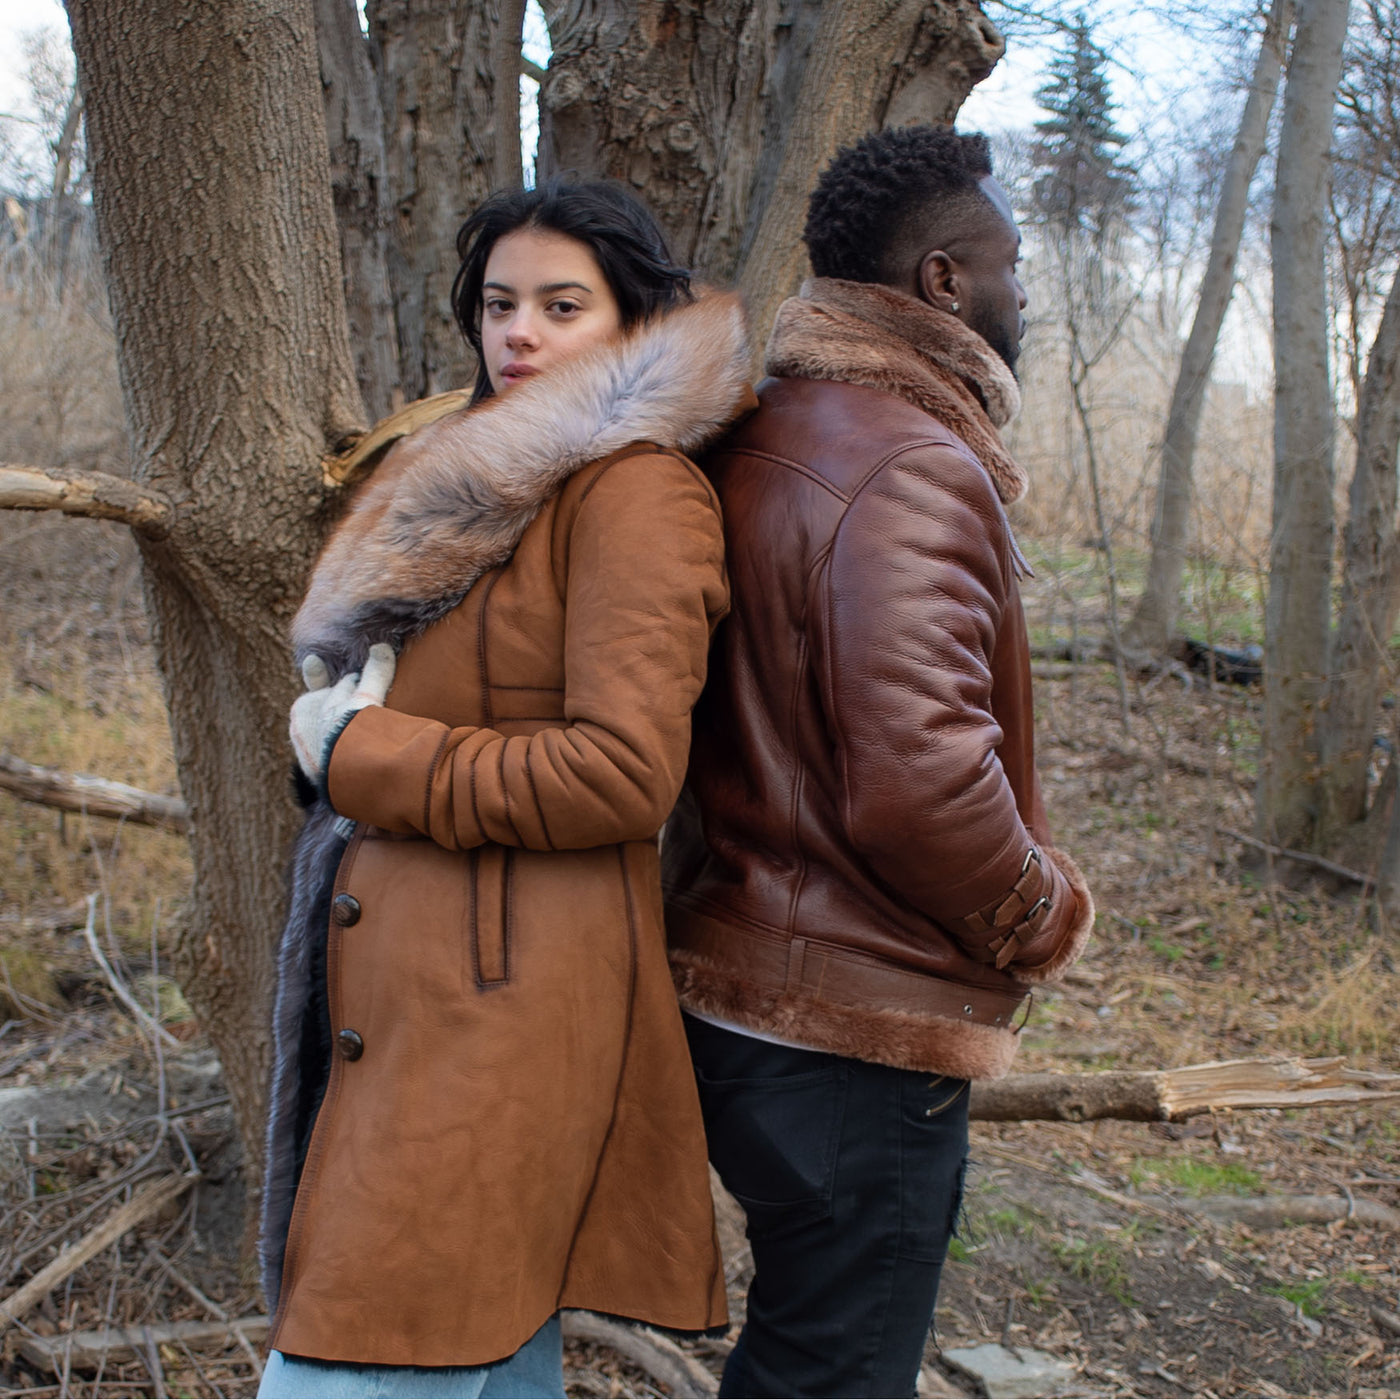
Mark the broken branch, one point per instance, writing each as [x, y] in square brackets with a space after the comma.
[1276, 1212]
[95, 797]
[99, 495]
[124, 1343]
[1169, 1095]
[145, 1203]
[363, 454]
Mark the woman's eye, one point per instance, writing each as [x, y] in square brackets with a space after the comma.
[497, 306]
[565, 308]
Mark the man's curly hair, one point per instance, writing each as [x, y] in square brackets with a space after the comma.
[872, 200]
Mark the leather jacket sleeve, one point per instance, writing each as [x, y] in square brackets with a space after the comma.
[645, 586]
[906, 615]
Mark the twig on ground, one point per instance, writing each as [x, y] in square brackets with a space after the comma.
[1301, 857]
[658, 1356]
[119, 988]
[144, 1204]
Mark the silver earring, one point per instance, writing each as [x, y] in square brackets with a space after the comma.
[954, 308]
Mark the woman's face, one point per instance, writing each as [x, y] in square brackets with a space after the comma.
[544, 300]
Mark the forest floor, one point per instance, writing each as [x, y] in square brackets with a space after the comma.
[1089, 1243]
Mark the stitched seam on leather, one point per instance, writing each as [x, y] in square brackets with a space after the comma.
[505, 793]
[539, 806]
[639, 449]
[799, 772]
[621, 1068]
[486, 711]
[428, 786]
[798, 468]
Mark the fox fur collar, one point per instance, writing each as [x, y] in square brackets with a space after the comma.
[865, 333]
[452, 500]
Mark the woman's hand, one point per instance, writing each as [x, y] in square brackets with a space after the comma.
[319, 716]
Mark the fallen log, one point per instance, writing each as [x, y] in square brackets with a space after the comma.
[1278, 1212]
[145, 1203]
[1169, 1095]
[86, 1350]
[97, 797]
[658, 1356]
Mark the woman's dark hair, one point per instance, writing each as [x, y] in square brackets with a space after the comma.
[617, 228]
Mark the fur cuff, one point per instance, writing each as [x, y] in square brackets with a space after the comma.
[931, 1044]
[1067, 954]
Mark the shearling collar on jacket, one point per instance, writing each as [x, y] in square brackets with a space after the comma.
[452, 500]
[864, 333]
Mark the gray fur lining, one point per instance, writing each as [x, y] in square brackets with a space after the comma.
[315, 859]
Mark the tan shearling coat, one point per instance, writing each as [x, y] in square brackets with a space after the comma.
[510, 1125]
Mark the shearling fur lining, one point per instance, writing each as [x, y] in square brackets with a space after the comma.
[964, 1050]
[1067, 954]
[452, 500]
[864, 333]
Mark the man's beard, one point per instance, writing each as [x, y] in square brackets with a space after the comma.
[1006, 342]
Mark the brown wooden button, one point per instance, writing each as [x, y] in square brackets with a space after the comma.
[345, 910]
[350, 1044]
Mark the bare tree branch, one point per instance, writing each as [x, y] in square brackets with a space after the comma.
[97, 797]
[96, 494]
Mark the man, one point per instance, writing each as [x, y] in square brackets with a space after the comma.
[860, 890]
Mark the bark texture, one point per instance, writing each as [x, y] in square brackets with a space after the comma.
[1370, 591]
[360, 190]
[437, 88]
[1153, 624]
[722, 112]
[212, 198]
[1297, 615]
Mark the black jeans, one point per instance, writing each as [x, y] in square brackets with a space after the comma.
[851, 1177]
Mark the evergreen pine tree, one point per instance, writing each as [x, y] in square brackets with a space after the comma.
[1085, 187]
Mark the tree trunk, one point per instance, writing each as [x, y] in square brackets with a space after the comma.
[212, 199]
[360, 191]
[1153, 625]
[722, 114]
[437, 89]
[1370, 595]
[1297, 615]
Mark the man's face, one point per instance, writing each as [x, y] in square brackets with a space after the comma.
[975, 270]
[993, 298]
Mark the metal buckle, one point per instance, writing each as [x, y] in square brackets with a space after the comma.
[1032, 855]
[1042, 905]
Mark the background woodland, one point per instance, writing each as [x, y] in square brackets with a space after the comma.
[230, 257]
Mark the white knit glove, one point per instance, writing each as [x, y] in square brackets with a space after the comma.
[325, 709]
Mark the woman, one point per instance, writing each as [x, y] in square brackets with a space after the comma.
[498, 1098]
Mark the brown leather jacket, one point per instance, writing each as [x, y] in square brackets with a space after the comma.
[861, 862]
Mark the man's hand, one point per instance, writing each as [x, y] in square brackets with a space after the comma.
[319, 716]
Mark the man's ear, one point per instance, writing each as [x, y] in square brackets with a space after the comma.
[938, 281]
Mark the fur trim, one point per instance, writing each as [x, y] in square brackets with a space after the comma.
[1067, 954]
[315, 859]
[936, 1044]
[453, 499]
[865, 333]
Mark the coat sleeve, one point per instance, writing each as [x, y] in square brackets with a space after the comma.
[906, 616]
[645, 585]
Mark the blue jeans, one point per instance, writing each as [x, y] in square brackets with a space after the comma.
[537, 1369]
[850, 1175]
